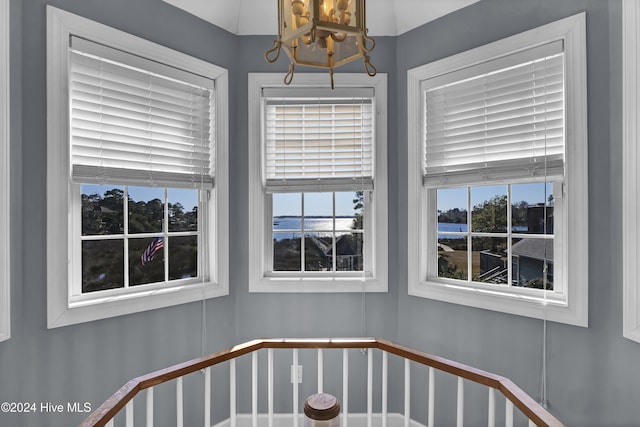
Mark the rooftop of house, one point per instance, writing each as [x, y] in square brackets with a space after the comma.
[534, 248]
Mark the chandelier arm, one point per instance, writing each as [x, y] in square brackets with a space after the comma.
[289, 77]
[366, 39]
[276, 49]
[368, 66]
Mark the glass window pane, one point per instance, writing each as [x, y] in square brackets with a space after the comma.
[530, 203]
[318, 205]
[287, 210]
[452, 257]
[349, 208]
[287, 204]
[318, 252]
[349, 249]
[183, 257]
[146, 209]
[102, 209]
[183, 209]
[452, 209]
[324, 224]
[489, 260]
[286, 252]
[102, 265]
[489, 209]
[146, 258]
[527, 262]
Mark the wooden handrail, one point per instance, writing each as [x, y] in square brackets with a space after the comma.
[534, 411]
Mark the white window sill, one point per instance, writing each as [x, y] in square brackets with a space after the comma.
[105, 304]
[522, 302]
[315, 284]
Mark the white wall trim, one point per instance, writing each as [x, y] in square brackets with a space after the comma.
[258, 223]
[355, 420]
[572, 306]
[5, 163]
[63, 308]
[630, 175]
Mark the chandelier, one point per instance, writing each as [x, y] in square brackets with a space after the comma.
[322, 33]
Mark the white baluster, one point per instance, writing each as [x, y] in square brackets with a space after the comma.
[460, 406]
[179, 403]
[270, 385]
[150, 407]
[129, 414]
[385, 385]
[254, 388]
[508, 417]
[345, 387]
[432, 396]
[320, 371]
[207, 397]
[295, 387]
[532, 424]
[232, 392]
[369, 386]
[407, 392]
[491, 422]
[110, 423]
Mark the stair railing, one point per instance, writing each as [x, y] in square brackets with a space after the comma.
[514, 396]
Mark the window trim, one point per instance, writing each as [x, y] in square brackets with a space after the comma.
[5, 182]
[61, 308]
[260, 224]
[573, 307]
[630, 176]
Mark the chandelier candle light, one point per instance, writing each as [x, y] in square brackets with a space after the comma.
[322, 33]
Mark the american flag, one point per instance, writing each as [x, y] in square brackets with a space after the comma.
[152, 250]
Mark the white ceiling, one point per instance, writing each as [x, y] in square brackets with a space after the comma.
[259, 17]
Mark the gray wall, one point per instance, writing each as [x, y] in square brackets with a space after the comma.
[591, 381]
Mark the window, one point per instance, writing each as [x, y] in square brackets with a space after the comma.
[331, 224]
[497, 234]
[137, 174]
[631, 179]
[497, 176]
[5, 138]
[120, 251]
[318, 191]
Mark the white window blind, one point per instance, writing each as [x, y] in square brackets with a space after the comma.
[318, 144]
[136, 121]
[500, 124]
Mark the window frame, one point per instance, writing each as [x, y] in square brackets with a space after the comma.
[630, 176]
[5, 169]
[260, 219]
[571, 304]
[64, 308]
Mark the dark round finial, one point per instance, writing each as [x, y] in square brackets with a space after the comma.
[321, 407]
